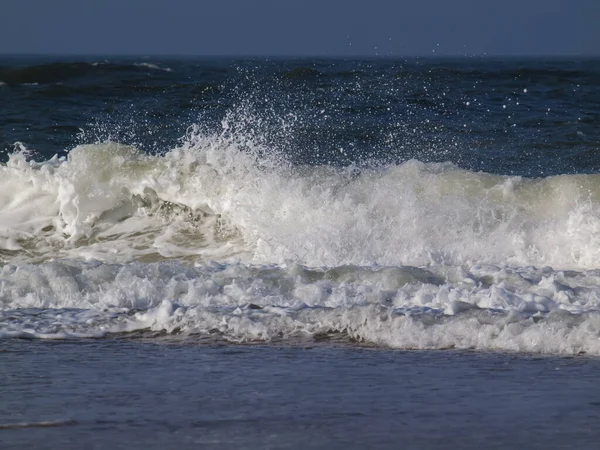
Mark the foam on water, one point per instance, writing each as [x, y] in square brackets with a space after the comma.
[153, 66]
[413, 255]
[483, 307]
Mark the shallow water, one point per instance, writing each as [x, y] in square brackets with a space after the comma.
[121, 393]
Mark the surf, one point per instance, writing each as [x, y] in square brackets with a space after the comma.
[224, 197]
[224, 237]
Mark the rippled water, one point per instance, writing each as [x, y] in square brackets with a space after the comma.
[160, 394]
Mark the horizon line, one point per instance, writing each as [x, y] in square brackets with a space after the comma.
[300, 56]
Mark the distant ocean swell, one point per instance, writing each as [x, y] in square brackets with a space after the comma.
[64, 71]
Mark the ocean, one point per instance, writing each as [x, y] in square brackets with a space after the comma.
[293, 252]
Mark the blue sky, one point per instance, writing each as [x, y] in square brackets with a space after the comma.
[309, 27]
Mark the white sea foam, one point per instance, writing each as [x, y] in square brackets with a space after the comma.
[484, 307]
[210, 199]
[153, 67]
[413, 255]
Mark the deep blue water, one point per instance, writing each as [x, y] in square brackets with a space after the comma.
[532, 117]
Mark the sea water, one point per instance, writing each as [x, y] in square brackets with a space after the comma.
[156, 393]
[386, 204]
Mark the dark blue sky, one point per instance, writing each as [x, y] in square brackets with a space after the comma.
[294, 27]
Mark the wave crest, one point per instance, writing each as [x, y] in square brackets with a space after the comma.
[218, 196]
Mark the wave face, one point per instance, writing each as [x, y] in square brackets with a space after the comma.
[246, 230]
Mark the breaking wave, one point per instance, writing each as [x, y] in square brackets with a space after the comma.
[222, 236]
[217, 196]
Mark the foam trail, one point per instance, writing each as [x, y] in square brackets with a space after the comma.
[487, 307]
